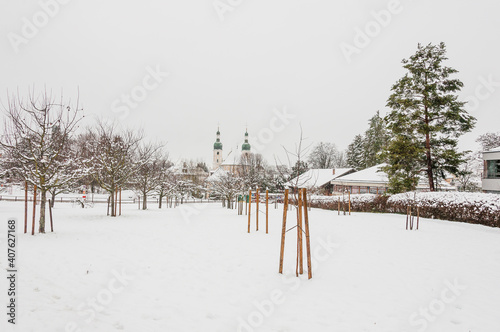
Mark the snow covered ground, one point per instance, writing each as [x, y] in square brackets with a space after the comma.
[195, 268]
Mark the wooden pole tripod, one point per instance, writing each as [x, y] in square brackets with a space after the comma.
[302, 212]
[410, 218]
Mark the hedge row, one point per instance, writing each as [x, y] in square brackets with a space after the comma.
[474, 208]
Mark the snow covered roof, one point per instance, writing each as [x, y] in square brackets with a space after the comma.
[497, 149]
[317, 177]
[216, 174]
[233, 158]
[369, 175]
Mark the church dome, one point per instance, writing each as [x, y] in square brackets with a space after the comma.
[218, 145]
[246, 145]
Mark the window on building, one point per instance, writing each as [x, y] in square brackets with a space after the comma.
[217, 152]
[493, 169]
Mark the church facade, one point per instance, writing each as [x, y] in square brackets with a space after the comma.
[233, 161]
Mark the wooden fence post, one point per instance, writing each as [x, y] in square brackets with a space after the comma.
[308, 243]
[300, 256]
[267, 211]
[120, 204]
[116, 200]
[349, 202]
[418, 215]
[249, 207]
[34, 211]
[283, 231]
[257, 212]
[25, 207]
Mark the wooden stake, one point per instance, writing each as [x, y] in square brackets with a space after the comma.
[349, 202]
[267, 211]
[50, 213]
[116, 201]
[418, 215]
[283, 231]
[407, 214]
[308, 243]
[411, 221]
[249, 207]
[300, 253]
[34, 211]
[257, 198]
[120, 201]
[25, 207]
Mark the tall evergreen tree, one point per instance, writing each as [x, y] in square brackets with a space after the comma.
[424, 105]
[376, 138]
[355, 153]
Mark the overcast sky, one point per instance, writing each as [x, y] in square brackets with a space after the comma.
[271, 65]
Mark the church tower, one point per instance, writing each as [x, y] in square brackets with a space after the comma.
[217, 152]
[245, 148]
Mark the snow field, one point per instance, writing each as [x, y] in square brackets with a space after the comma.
[195, 268]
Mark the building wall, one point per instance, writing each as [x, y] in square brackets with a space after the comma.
[491, 177]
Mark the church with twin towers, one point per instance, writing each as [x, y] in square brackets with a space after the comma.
[233, 160]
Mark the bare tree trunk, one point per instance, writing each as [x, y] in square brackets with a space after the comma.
[113, 212]
[144, 202]
[428, 154]
[43, 200]
[51, 202]
[159, 203]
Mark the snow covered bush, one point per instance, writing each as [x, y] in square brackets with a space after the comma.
[475, 208]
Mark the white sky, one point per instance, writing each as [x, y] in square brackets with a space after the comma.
[265, 55]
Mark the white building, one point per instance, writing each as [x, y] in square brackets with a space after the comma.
[491, 175]
[318, 179]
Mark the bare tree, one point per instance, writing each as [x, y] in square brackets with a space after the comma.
[148, 166]
[36, 143]
[252, 170]
[227, 185]
[166, 180]
[325, 155]
[489, 141]
[111, 156]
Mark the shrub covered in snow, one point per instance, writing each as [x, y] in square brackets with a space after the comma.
[476, 208]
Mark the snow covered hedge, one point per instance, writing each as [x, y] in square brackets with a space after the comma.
[476, 208]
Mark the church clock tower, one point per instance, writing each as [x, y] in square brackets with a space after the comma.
[217, 152]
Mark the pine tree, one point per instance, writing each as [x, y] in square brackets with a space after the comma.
[424, 106]
[375, 140]
[355, 154]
